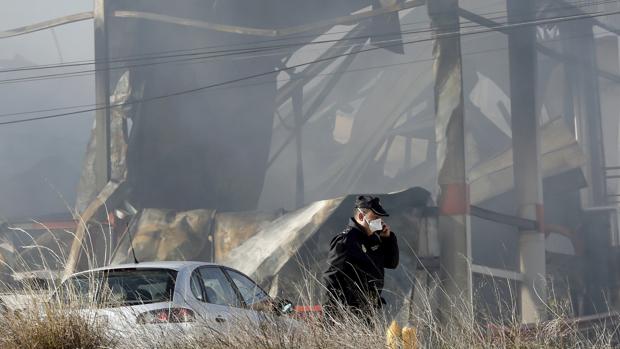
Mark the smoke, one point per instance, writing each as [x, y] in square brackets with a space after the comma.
[40, 161]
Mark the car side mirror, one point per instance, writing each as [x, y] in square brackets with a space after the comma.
[284, 306]
[121, 214]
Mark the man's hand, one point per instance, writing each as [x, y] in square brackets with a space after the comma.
[385, 233]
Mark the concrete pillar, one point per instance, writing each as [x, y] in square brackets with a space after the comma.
[597, 224]
[608, 59]
[102, 93]
[454, 220]
[526, 154]
[580, 49]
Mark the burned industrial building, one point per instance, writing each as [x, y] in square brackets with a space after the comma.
[239, 132]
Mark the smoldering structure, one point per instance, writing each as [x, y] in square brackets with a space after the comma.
[239, 133]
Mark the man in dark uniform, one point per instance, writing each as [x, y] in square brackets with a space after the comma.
[357, 257]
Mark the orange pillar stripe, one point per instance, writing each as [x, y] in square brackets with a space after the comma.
[454, 199]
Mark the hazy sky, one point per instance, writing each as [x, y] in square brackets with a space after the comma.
[40, 161]
[75, 39]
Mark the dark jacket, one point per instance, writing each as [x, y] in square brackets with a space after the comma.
[356, 262]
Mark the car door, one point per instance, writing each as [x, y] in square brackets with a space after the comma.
[258, 304]
[215, 300]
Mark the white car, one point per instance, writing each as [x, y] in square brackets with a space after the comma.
[137, 296]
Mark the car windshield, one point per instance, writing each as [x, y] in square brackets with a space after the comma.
[120, 287]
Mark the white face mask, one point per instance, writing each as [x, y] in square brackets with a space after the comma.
[375, 224]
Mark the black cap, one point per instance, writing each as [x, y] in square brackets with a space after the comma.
[372, 203]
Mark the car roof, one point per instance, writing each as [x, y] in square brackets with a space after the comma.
[174, 265]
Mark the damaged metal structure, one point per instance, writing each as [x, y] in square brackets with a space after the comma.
[515, 135]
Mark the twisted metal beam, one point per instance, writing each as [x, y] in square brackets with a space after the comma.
[78, 17]
[343, 20]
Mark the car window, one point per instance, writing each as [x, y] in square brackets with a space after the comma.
[194, 285]
[218, 289]
[77, 289]
[121, 287]
[250, 291]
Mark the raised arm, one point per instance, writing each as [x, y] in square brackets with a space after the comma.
[389, 245]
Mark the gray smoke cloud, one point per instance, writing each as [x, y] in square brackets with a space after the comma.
[40, 161]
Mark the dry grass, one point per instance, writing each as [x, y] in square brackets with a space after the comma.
[55, 325]
[43, 325]
[49, 326]
[277, 333]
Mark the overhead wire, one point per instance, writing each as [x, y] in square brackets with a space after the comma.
[200, 58]
[260, 48]
[367, 68]
[232, 81]
[563, 18]
[154, 55]
[197, 57]
[587, 3]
